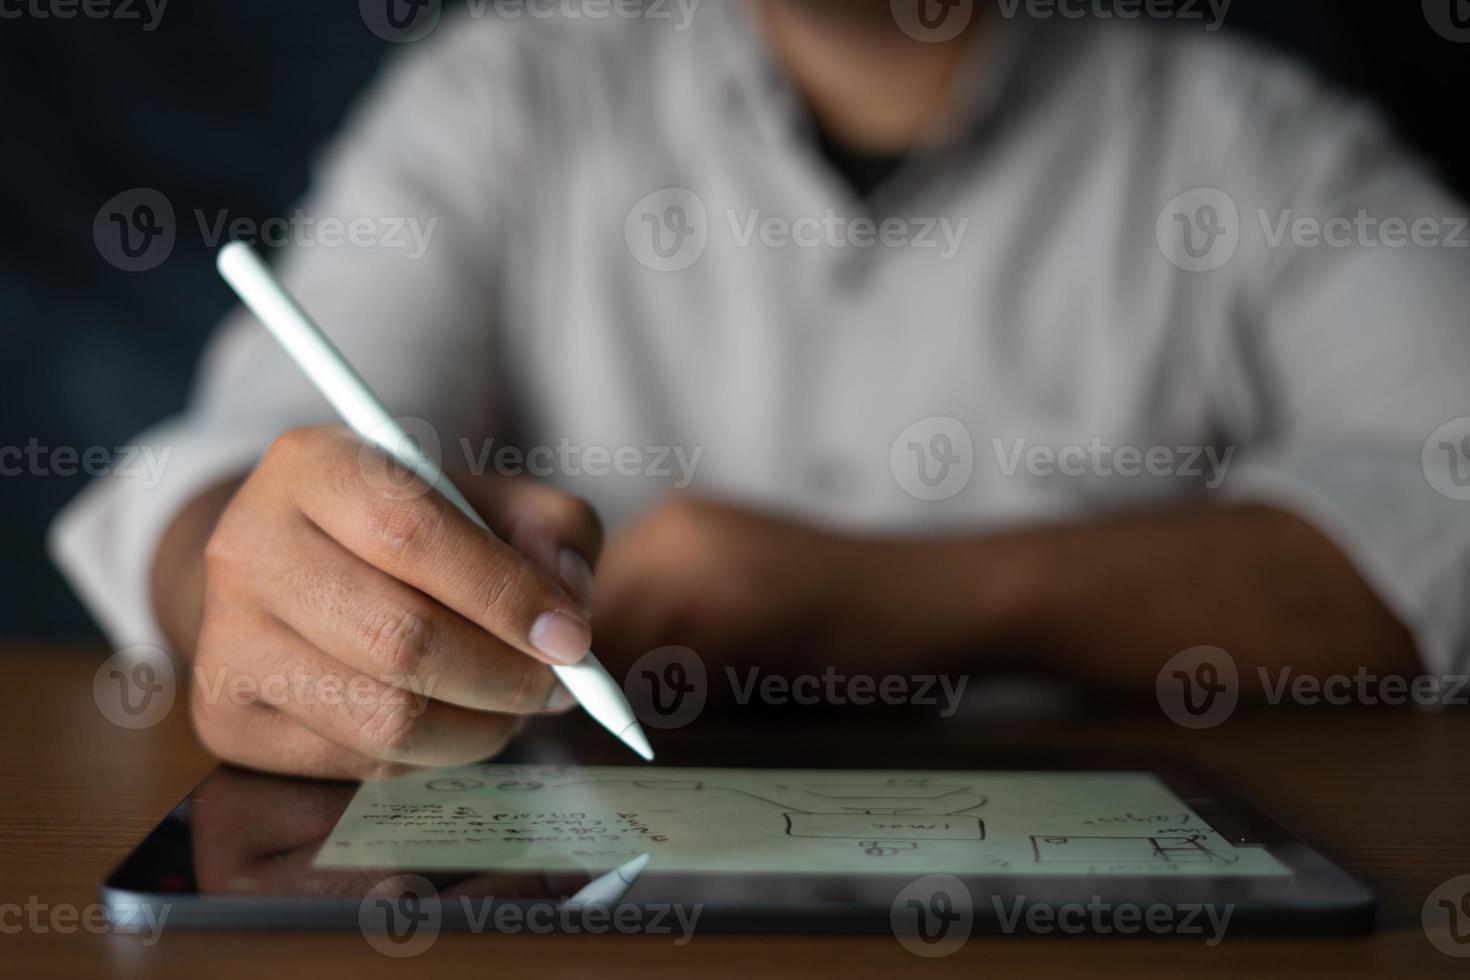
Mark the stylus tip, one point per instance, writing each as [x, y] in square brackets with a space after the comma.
[635, 739]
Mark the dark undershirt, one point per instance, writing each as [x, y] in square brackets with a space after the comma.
[863, 171]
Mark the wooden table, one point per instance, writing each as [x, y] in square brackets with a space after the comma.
[1384, 792]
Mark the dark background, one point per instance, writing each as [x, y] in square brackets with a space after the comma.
[221, 107]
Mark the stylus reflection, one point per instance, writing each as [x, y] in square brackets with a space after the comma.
[610, 888]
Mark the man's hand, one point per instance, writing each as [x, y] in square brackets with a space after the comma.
[727, 582]
[352, 624]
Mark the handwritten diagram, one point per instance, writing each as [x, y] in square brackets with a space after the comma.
[886, 817]
[1178, 849]
[791, 821]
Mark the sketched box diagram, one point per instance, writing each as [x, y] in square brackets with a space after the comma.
[898, 810]
[1177, 849]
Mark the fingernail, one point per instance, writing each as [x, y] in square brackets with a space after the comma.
[561, 637]
[560, 699]
[577, 574]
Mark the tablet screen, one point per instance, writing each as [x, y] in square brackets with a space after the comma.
[783, 821]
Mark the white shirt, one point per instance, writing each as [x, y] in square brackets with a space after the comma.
[1034, 325]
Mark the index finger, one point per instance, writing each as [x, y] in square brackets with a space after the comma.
[423, 540]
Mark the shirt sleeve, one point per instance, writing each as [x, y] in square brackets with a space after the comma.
[394, 256]
[1346, 312]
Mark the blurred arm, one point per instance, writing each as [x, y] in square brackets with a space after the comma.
[1110, 602]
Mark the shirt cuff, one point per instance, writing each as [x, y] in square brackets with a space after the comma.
[104, 540]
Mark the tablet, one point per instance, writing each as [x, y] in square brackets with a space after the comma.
[770, 839]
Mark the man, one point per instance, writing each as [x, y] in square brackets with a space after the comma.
[962, 350]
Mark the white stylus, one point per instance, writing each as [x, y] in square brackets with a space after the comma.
[260, 290]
